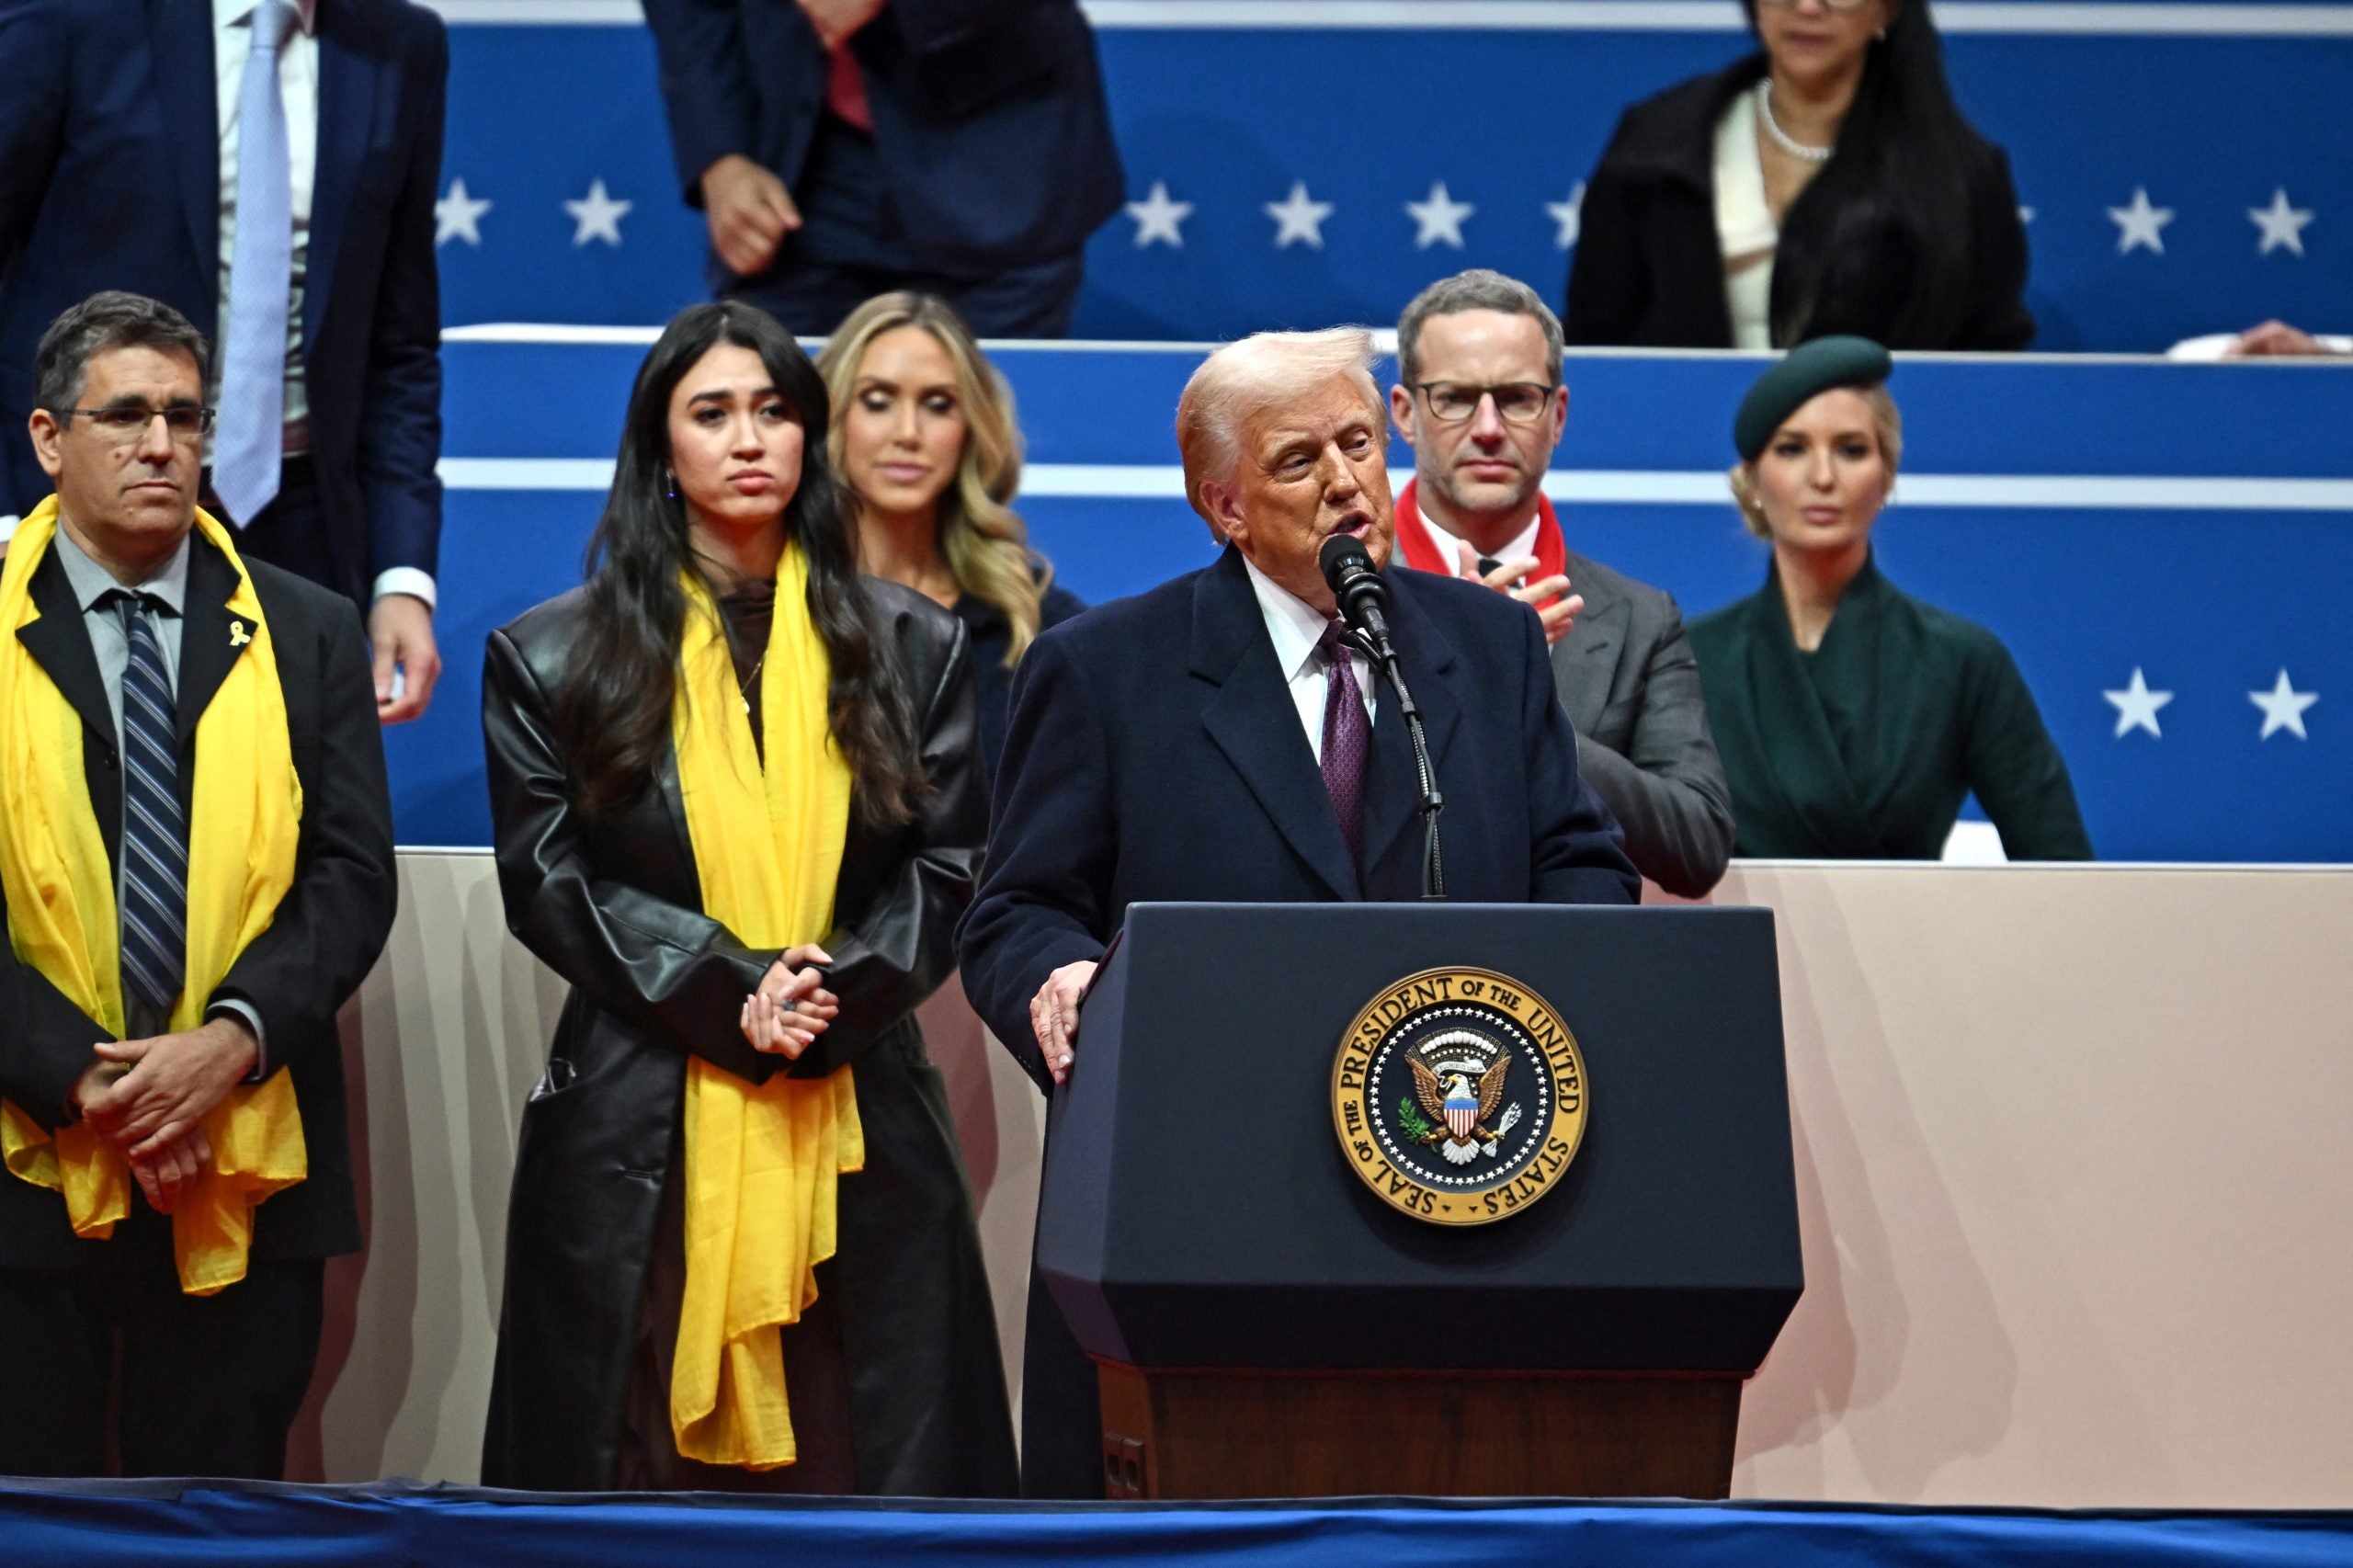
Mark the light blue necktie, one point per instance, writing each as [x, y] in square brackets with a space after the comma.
[245, 458]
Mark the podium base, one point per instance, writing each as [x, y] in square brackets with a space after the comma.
[1195, 1433]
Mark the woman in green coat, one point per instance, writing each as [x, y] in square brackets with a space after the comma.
[1853, 718]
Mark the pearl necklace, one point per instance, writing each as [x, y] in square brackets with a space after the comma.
[1782, 139]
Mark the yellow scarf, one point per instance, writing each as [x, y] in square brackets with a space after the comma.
[243, 826]
[761, 1163]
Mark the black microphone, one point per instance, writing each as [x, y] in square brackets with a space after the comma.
[1364, 605]
[1364, 597]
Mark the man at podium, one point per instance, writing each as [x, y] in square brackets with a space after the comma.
[1216, 739]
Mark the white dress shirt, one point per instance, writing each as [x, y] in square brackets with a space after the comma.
[1744, 225]
[1521, 549]
[298, 88]
[1296, 627]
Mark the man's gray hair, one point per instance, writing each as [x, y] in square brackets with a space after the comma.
[113, 319]
[1264, 368]
[1480, 288]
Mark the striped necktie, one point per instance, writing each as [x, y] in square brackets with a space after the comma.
[247, 457]
[155, 830]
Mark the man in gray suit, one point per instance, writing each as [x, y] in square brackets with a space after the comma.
[1482, 403]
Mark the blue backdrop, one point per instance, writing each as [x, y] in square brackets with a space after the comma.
[133, 1524]
[2190, 522]
[1367, 119]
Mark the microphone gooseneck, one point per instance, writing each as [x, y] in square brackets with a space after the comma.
[1363, 598]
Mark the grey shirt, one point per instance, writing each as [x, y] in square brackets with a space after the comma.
[110, 641]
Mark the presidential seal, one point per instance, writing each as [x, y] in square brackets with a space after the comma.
[1458, 1095]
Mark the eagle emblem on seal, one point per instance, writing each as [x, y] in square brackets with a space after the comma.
[1462, 1110]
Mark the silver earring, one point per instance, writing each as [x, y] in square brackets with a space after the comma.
[669, 484]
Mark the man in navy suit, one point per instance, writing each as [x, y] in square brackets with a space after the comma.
[1208, 741]
[845, 148]
[267, 168]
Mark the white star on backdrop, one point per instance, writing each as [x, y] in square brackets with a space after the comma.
[1440, 218]
[1298, 218]
[2283, 708]
[2138, 224]
[1157, 217]
[598, 216]
[2026, 214]
[2136, 706]
[2281, 225]
[454, 215]
[1568, 215]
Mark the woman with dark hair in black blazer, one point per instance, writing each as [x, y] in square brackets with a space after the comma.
[1826, 185]
[737, 806]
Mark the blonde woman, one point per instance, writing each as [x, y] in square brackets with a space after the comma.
[924, 438]
[1852, 718]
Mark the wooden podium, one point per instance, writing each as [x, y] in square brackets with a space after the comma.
[1264, 1326]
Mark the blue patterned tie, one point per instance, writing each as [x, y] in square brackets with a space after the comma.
[246, 456]
[1346, 732]
[154, 830]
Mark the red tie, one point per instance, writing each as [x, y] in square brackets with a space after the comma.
[845, 89]
[1345, 733]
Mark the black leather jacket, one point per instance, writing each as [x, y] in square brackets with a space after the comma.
[615, 908]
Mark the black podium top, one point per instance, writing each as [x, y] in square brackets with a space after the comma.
[1198, 1210]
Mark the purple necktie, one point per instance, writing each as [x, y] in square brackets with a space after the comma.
[1345, 732]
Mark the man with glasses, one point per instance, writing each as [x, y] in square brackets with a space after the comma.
[1482, 403]
[196, 871]
[268, 168]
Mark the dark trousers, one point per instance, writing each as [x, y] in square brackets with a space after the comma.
[291, 532]
[1062, 1424]
[851, 246]
[200, 1385]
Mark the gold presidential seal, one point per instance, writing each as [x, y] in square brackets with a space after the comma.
[1458, 1095]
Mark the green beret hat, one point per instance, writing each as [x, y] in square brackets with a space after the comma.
[1803, 373]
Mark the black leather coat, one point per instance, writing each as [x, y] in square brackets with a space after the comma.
[616, 909]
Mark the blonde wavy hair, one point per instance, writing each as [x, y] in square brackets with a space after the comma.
[1886, 421]
[985, 541]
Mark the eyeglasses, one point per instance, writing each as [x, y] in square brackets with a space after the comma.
[1452, 402]
[128, 425]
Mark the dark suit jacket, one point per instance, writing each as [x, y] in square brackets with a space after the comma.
[615, 907]
[327, 934]
[989, 117]
[1628, 678]
[110, 178]
[1649, 270]
[1155, 753]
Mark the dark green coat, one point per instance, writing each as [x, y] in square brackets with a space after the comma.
[1864, 749]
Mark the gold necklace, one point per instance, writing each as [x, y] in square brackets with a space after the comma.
[743, 686]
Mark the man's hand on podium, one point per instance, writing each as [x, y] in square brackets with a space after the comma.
[1054, 1014]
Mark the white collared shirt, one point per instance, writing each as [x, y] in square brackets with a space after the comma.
[1521, 549]
[1744, 225]
[298, 86]
[1295, 626]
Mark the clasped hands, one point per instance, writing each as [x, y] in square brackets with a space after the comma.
[148, 1098]
[792, 1007]
[1558, 617]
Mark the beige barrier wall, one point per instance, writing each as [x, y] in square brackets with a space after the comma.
[2072, 1159]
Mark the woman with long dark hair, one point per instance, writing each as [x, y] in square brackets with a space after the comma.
[737, 806]
[1828, 184]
